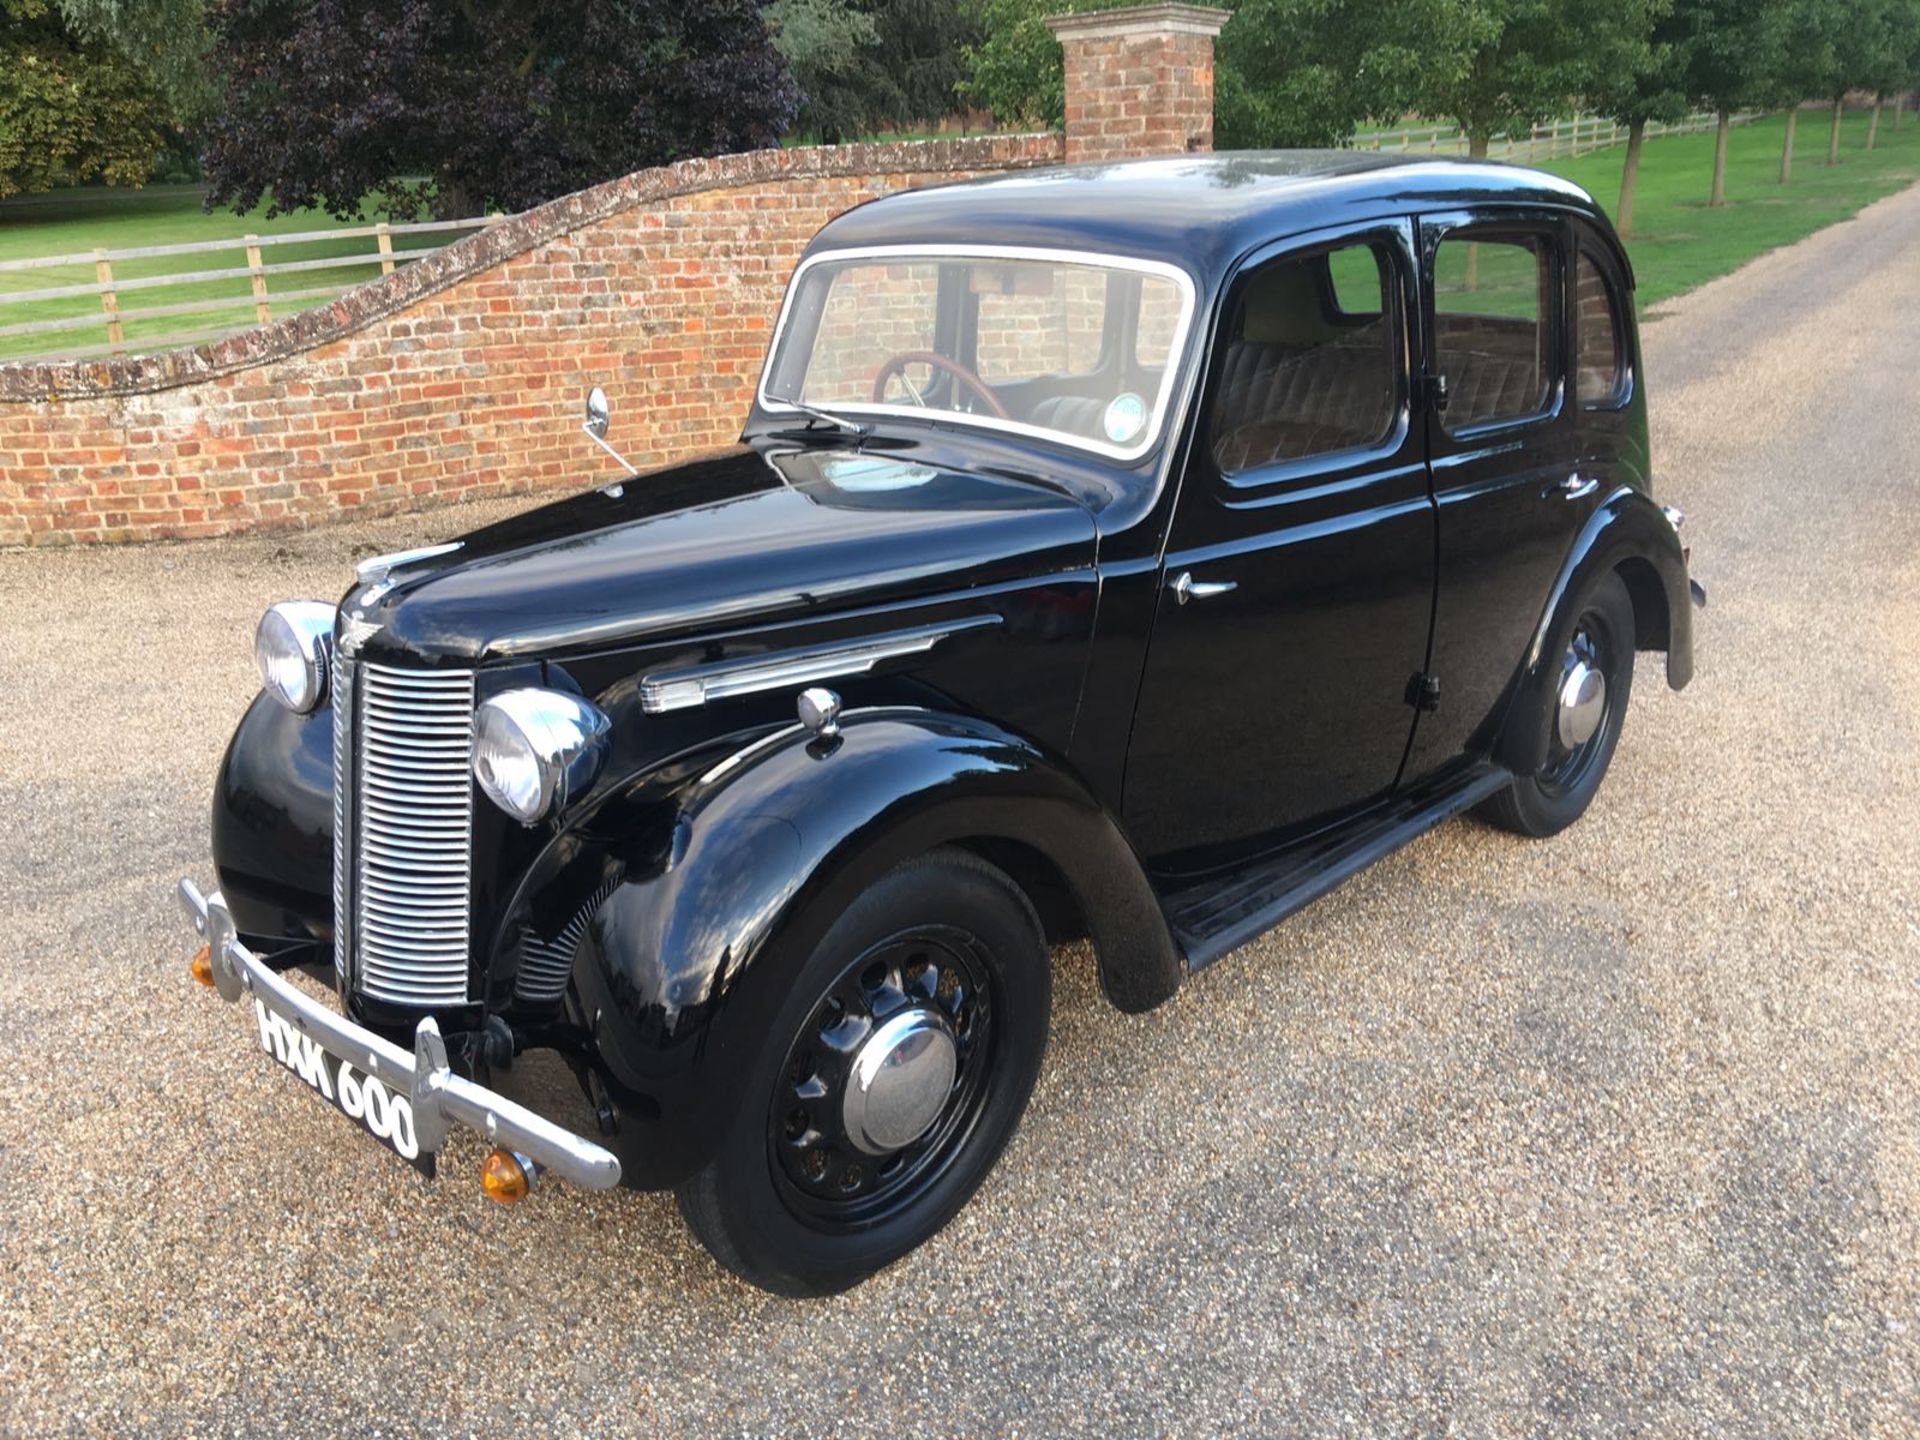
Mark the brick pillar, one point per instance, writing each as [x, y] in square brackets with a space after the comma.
[1138, 81]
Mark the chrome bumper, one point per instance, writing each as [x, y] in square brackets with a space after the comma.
[440, 1098]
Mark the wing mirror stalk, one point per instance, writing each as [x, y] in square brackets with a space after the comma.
[595, 428]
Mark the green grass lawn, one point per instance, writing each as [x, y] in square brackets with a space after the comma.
[1679, 242]
[78, 221]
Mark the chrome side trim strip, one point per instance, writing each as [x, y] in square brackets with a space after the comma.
[697, 684]
[439, 1097]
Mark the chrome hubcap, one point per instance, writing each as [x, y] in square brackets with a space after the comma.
[900, 1081]
[1583, 702]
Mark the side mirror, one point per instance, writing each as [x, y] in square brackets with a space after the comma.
[595, 426]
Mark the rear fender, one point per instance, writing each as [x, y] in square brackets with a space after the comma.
[683, 968]
[1629, 533]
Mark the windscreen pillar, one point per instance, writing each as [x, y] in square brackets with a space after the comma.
[1139, 81]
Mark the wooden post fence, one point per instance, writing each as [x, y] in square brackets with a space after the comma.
[109, 301]
[259, 276]
[236, 290]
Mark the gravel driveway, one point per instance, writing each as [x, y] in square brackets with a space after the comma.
[1617, 1133]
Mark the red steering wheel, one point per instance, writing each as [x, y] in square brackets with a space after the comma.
[897, 365]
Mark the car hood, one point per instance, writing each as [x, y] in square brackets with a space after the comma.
[742, 537]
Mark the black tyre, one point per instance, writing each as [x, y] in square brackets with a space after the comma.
[895, 1076]
[1582, 722]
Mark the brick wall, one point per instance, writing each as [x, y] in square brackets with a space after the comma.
[460, 376]
[1138, 81]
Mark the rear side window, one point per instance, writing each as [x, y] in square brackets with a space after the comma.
[1310, 362]
[1599, 329]
[1492, 292]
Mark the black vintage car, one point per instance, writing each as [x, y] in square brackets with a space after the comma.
[1131, 552]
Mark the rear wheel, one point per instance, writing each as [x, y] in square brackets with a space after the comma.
[1585, 710]
[896, 1074]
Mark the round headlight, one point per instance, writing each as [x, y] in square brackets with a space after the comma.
[293, 648]
[532, 749]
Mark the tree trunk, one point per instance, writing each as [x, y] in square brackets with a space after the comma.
[1477, 143]
[1833, 132]
[1629, 174]
[1786, 146]
[1873, 125]
[455, 201]
[1899, 104]
[1718, 196]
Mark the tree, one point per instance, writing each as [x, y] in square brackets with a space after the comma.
[1890, 26]
[1641, 81]
[827, 45]
[1501, 64]
[1015, 69]
[462, 106]
[72, 110]
[1308, 72]
[1733, 53]
[921, 59]
[165, 38]
[1806, 63]
[866, 65]
[1860, 38]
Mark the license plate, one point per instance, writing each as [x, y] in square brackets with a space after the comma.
[375, 1106]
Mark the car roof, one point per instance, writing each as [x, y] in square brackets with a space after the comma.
[1198, 211]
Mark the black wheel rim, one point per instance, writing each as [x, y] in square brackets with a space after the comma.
[822, 1176]
[1568, 767]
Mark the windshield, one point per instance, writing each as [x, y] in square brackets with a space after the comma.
[1076, 348]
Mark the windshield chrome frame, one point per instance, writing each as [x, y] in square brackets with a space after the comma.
[1170, 380]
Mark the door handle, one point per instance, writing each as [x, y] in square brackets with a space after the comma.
[1575, 487]
[1186, 588]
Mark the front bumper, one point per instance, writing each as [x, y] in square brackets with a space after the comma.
[439, 1097]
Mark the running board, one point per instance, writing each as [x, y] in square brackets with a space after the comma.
[1222, 913]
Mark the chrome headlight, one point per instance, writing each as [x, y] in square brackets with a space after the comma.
[293, 648]
[532, 749]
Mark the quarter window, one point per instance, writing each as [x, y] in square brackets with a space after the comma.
[1491, 293]
[1598, 335]
[1311, 361]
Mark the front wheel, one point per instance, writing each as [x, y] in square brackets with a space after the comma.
[896, 1074]
[1585, 709]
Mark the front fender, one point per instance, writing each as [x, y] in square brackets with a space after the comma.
[683, 967]
[272, 826]
[1629, 533]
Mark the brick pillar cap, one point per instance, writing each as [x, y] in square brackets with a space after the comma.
[1139, 20]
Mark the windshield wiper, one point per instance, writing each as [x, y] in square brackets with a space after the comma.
[827, 417]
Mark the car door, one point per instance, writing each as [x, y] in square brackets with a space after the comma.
[1298, 579]
[1510, 490]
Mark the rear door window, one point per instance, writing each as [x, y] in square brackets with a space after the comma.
[1493, 292]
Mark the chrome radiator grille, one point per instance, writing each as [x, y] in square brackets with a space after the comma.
[545, 966]
[341, 688]
[408, 814]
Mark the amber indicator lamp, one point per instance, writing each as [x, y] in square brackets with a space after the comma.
[507, 1177]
